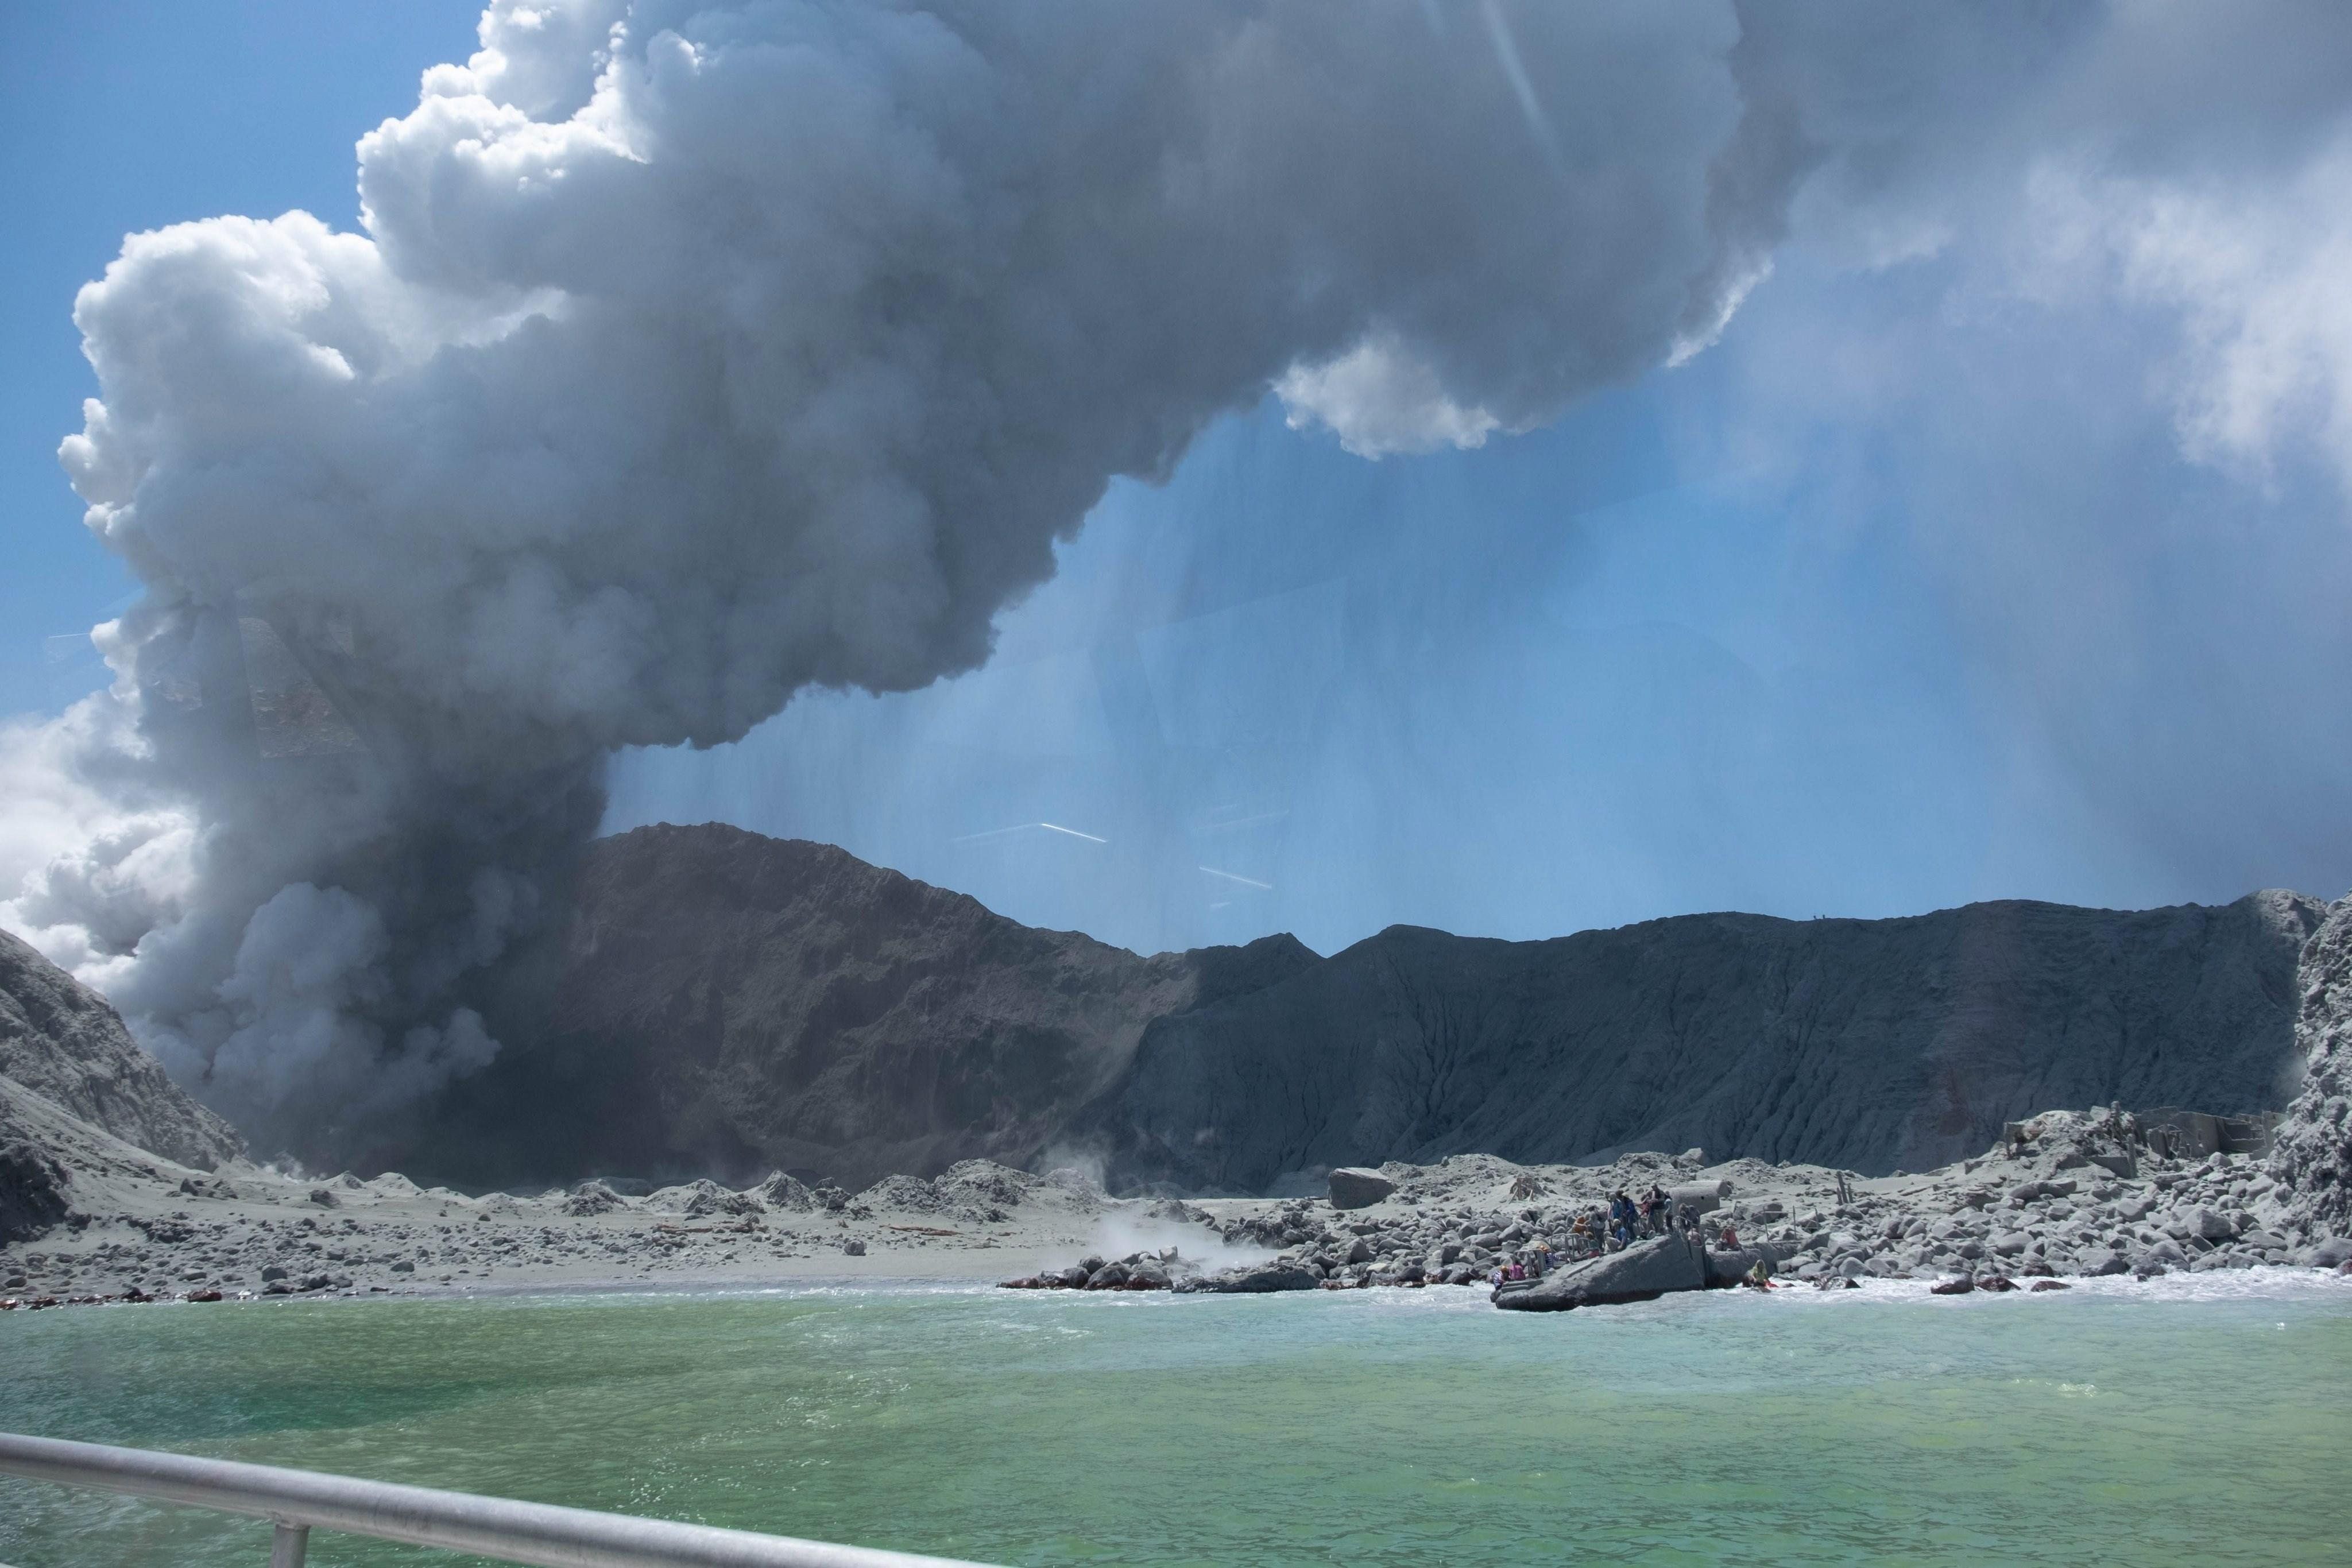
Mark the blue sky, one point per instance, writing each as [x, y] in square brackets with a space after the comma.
[1952, 571]
[124, 115]
[1610, 669]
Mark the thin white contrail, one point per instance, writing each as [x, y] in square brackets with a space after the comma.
[1024, 828]
[1506, 54]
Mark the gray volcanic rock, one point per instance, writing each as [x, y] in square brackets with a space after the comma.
[1868, 1045]
[60, 1039]
[2313, 1152]
[1641, 1272]
[1352, 1187]
[46, 1152]
[1729, 1265]
[734, 1004]
[1257, 1280]
[31, 1190]
[730, 1005]
[593, 1198]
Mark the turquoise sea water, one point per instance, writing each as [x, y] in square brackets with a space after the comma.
[2206, 1419]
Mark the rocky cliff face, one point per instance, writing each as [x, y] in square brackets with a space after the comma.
[1869, 1045]
[731, 1003]
[2313, 1155]
[728, 1004]
[61, 1040]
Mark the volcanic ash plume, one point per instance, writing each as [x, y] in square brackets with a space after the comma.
[692, 354]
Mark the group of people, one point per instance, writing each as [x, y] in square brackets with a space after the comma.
[1629, 1219]
[1623, 1221]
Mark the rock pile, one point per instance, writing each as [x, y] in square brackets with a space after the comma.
[2066, 1199]
[591, 1197]
[1159, 1270]
[2064, 1194]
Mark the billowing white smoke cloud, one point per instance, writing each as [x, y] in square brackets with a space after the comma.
[693, 354]
[696, 353]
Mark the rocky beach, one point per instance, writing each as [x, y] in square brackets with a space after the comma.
[2062, 1202]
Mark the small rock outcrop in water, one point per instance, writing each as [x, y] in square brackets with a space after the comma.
[60, 1039]
[2313, 1152]
[1258, 1279]
[1165, 1270]
[1642, 1272]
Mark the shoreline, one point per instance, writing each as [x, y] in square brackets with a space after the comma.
[2261, 1282]
[2058, 1205]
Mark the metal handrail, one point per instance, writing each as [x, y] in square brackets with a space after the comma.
[297, 1501]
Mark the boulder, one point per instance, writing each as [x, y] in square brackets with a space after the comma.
[1355, 1187]
[1700, 1197]
[1727, 1266]
[2332, 1253]
[1641, 1272]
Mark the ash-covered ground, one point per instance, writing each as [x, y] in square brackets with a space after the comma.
[2065, 1201]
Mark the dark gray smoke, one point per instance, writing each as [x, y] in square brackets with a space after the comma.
[694, 354]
